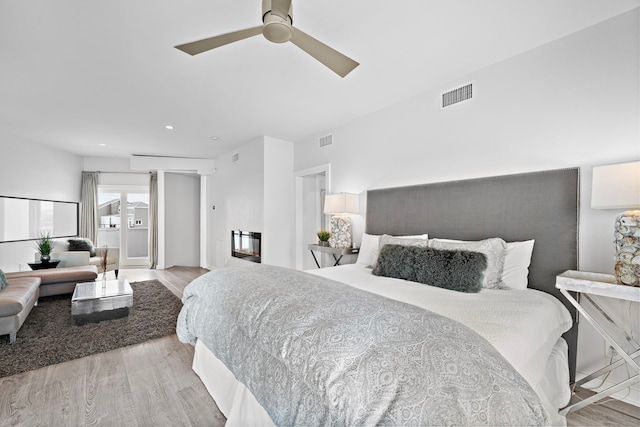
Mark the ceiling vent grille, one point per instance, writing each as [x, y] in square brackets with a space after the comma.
[235, 158]
[457, 95]
[326, 141]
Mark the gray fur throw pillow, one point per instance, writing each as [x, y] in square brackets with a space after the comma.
[456, 270]
[3, 280]
[82, 244]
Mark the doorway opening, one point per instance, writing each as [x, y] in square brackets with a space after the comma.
[123, 223]
[311, 186]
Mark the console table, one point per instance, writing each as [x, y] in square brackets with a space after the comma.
[336, 253]
[584, 285]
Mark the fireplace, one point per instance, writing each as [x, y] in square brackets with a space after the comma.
[246, 245]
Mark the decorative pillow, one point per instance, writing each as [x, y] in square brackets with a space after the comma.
[456, 270]
[387, 239]
[60, 245]
[368, 250]
[494, 249]
[81, 244]
[368, 253]
[516, 264]
[3, 280]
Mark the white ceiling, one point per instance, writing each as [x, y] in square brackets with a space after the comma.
[78, 73]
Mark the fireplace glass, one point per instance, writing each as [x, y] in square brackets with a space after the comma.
[246, 245]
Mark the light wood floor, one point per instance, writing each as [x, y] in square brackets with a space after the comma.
[148, 384]
[152, 384]
[610, 413]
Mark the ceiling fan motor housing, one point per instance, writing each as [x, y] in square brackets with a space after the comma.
[276, 29]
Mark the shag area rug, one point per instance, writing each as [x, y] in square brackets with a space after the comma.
[50, 336]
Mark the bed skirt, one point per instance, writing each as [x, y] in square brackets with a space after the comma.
[234, 400]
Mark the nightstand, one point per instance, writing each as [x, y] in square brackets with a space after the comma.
[584, 285]
[337, 253]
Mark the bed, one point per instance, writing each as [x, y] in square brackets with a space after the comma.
[510, 336]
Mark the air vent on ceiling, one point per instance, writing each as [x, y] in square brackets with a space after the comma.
[235, 158]
[326, 140]
[457, 95]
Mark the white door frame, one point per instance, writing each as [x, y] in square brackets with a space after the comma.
[123, 190]
[299, 176]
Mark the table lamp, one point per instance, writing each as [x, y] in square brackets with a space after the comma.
[341, 205]
[617, 186]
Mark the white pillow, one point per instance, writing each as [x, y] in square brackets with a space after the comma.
[516, 264]
[60, 245]
[421, 240]
[494, 249]
[368, 253]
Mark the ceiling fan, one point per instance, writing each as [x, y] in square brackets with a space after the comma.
[278, 28]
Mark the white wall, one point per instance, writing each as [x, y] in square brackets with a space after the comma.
[278, 238]
[32, 170]
[237, 192]
[182, 220]
[572, 102]
[255, 193]
[116, 171]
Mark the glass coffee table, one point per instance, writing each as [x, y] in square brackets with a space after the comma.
[101, 300]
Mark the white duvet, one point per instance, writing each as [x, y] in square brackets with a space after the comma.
[523, 325]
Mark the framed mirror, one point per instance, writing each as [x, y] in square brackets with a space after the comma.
[26, 219]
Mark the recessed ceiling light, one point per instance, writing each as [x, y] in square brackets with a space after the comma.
[215, 138]
[102, 145]
[169, 127]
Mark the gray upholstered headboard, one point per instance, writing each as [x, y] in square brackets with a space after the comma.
[541, 205]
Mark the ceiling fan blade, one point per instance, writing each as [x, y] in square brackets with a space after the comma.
[280, 8]
[204, 45]
[331, 58]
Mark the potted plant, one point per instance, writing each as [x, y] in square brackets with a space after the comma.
[323, 236]
[44, 245]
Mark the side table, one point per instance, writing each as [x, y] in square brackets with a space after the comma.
[584, 285]
[43, 265]
[337, 253]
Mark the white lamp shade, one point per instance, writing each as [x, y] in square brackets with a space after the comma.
[616, 186]
[341, 203]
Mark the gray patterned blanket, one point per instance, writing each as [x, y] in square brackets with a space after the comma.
[317, 352]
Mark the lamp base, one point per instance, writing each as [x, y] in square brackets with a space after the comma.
[340, 232]
[627, 234]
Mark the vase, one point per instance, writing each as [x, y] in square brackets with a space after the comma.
[45, 258]
[627, 241]
[340, 232]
